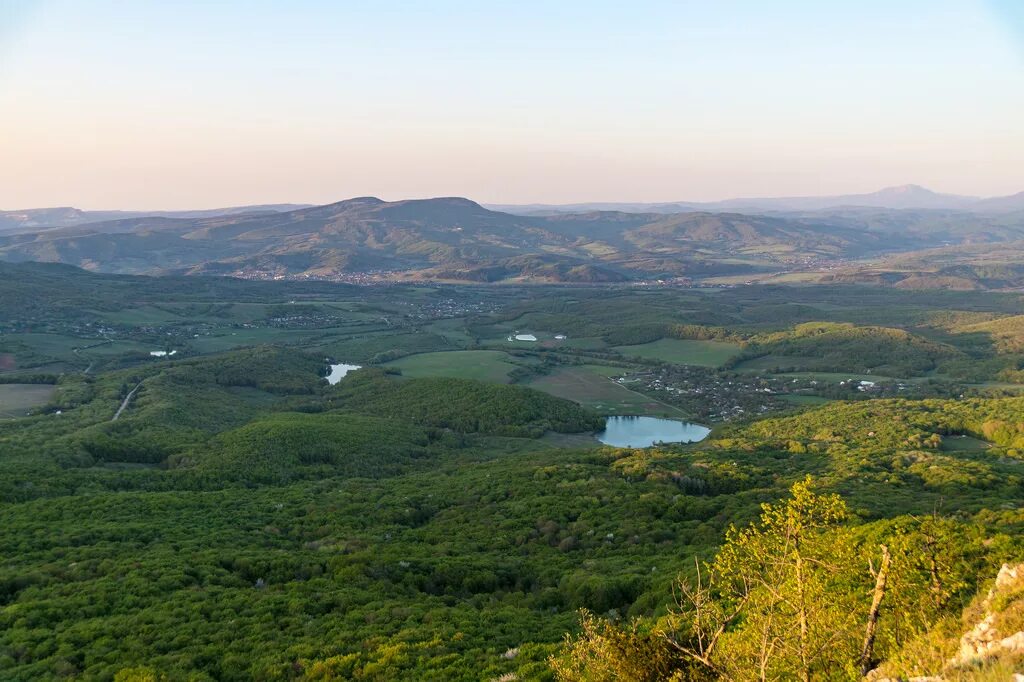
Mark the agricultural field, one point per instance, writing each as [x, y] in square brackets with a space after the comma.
[17, 399]
[768, 362]
[592, 387]
[483, 365]
[806, 400]
[214, 343]
[684, 351]
[753, 367]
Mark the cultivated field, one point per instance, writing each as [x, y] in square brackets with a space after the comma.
[683, 351]
[17, 399]
[483, 365]
[591, 387]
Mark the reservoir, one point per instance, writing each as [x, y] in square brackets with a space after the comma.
[643, 432]
[339, 371]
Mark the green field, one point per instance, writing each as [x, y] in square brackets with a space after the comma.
[583, 342]
[250, 337]
[836, 377]
[964, 444]
[17, 399]
[590, 386]
[767, 362]
[804, 400]
[54, 345]
[454, 330]
[483, 365]
[683, 351]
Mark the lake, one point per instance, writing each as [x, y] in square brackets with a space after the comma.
[643, 432]
[339, 371]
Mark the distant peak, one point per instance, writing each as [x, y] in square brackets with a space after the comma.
[451, 202]
[355, 201]
[459, 201]
[906, 189]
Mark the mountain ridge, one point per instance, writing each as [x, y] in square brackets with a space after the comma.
[458, 238]
[908, 196]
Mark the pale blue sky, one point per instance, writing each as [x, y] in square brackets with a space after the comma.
[140, 104]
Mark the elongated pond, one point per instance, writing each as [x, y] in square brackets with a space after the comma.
[643, 432]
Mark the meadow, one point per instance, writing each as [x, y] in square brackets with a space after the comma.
[483, 365]
[16, 400]
[684, 352]
[593, 387]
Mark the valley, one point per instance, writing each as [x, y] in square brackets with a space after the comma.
[448, 501]
[511, 342]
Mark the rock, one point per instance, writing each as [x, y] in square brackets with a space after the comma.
[1008, 576]
[985, 641]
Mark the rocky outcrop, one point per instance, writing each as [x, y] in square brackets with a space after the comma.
[994, 640]
[1000, 632]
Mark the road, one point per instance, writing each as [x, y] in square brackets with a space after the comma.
[127, 399]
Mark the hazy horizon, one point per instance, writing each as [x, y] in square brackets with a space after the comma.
[606, 200]
[147, 106]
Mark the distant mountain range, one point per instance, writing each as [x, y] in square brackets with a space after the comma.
[902, 197]
[68, 217]
[458, 239]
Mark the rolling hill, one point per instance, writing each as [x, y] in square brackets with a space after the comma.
[454, 238]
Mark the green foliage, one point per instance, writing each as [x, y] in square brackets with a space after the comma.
[832, 347]
[463, 405]
[274, 370]
[608, 652]
[280, 447]
[792, 579]
[244, 520]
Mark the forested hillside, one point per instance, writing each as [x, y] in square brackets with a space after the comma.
[184, 495]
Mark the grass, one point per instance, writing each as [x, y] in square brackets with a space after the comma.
[54, 345]
[769, 362]
[684, 351]
[836, 377]
[453, 330]
[121, 346]
[142, 315]
[803, 400]
[583, 343]
[589, 386]
[252, 337]
[483, 365]
[17, 399]
[964, 444]
[773, 361]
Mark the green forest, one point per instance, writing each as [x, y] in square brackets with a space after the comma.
[225, 513]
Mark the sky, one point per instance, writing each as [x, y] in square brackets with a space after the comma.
[167, 105]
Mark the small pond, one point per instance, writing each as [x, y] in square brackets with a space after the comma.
[643, 432]
[339, 371]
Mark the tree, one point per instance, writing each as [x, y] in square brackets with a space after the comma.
[610, 652]
[881, 580]
[776, 602]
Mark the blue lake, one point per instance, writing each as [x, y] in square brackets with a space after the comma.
[643, 432]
